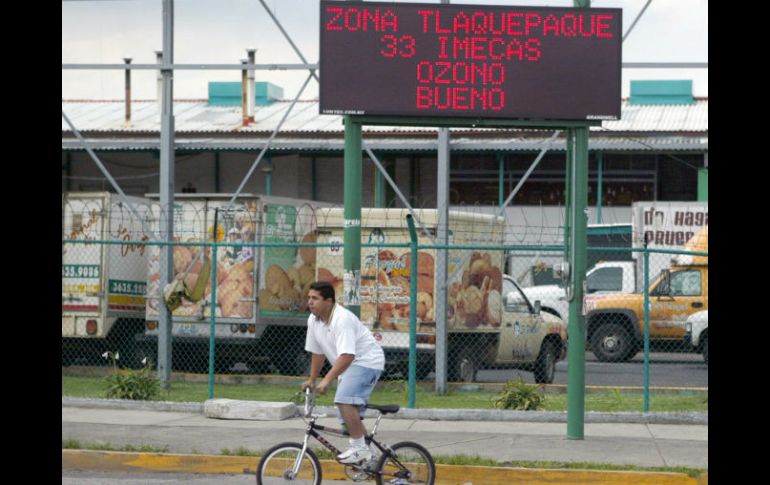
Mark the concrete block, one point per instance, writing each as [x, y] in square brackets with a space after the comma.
[253, 410]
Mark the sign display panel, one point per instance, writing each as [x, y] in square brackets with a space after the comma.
[452, 60]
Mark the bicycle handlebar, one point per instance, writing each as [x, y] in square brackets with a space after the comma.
[309, 401]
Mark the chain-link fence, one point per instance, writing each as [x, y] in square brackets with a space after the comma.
[505, 311]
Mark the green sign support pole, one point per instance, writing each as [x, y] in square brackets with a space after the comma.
[352, 234]
[576, 329]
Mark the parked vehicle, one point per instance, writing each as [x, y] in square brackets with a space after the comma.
[261, 305]
[697, 333]
[615, 322]
[103, 285]
[605, 277]
[489, 322]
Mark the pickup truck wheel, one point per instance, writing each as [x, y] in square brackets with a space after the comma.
[464, 366]
[611, 342]
[545, 365]
[706, 349]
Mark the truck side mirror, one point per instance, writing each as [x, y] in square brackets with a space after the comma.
[538, 307]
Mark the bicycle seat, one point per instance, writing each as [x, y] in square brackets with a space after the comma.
[384, 408]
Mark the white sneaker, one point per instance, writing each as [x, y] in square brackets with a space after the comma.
[355, 455]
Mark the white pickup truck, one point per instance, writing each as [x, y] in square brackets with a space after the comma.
[605, 277]
[697, 333]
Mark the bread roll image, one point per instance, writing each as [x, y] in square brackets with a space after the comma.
[424, 305]
[425, 283]
[368, 311]
[182, 258]
[385, 319]
[306, 253]
[243, 309]
[289, 299]
[424, 263]
[306, 274]
[325, 275]
[191, 279]
[228, 296]
[267, 300]
[496, 277]
[386, 255]
[293, 274]
[494, 308]
[473, 301]
[430, 316]
[276, 279]
[383, 279]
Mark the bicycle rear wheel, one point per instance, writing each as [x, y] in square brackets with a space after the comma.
[276, 466]
[409, 463]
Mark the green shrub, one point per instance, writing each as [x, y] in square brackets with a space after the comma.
[520, 396]
[139, 385]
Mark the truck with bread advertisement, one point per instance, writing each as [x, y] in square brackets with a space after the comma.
[484, 329]
[103, 285]
[261, 305]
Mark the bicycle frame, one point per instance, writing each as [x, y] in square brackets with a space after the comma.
[315, 431]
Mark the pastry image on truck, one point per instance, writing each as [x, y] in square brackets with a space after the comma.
[103, 285]
[484, 330]
[261, 306]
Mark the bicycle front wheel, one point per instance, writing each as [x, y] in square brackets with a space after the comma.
[277, 466]
[409, 463]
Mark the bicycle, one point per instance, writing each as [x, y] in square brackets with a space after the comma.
[403, 463]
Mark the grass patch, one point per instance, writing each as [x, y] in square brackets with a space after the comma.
[395, 393]
[71, 444]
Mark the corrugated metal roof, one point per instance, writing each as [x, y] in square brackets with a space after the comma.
[462, 143]
[197, 117]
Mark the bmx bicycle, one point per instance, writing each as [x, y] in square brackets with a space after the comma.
[403, 463]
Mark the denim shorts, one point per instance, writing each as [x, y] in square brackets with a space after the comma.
[356, 385]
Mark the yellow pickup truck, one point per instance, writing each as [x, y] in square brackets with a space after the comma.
[615, 322]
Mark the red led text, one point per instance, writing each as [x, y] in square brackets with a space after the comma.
[354, 19]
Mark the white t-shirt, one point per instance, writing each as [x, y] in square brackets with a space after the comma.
[345, 334]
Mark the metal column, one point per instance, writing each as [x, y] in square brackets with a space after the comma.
[578, 179]
[352, 234]
[442, 237]
[166, 191]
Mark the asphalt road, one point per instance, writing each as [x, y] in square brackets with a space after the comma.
[666, 370]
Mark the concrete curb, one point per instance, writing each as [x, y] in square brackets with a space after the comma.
[445, 474]
[426, 414]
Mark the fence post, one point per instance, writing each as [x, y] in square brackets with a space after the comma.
[412, 312]
[213, 304]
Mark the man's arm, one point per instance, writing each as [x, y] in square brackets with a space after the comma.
[342, 363]
[316, 362]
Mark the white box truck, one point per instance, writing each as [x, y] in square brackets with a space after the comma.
[103, 285]
[485, 326]
[261, 307]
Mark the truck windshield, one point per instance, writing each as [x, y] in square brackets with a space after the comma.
[605, 279]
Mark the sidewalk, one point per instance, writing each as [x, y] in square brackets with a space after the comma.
[183, 429]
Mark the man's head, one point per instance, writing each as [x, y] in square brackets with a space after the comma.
[320, 298]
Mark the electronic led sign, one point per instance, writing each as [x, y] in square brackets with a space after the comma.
[452, 60]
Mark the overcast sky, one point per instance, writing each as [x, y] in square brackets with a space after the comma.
[220, 31]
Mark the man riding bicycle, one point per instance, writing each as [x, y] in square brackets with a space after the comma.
[357, 360]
